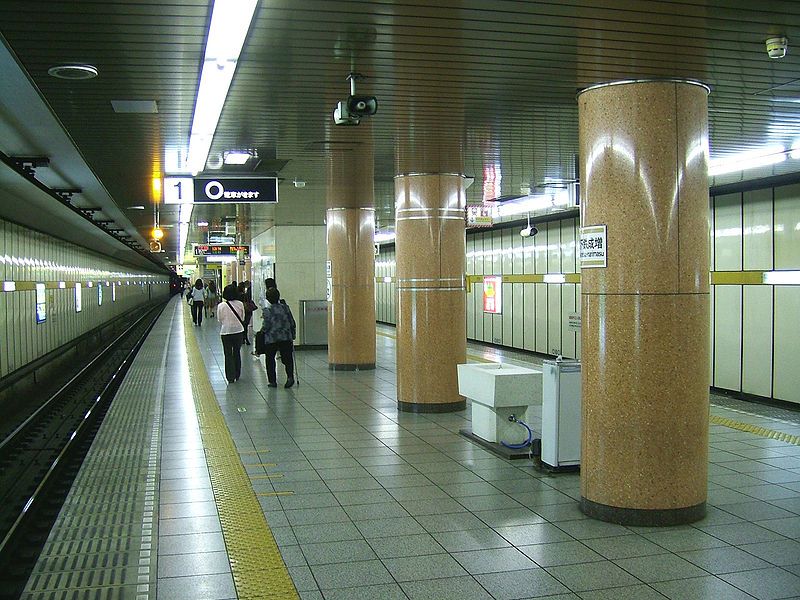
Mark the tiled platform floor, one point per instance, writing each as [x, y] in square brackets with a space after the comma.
[390, 505]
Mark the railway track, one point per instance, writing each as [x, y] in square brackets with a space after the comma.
[41, 457]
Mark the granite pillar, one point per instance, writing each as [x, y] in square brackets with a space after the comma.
[431, 324]
[645, 316]
[350, 222]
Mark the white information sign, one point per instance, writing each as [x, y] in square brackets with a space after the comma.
[178, 190]
[328, 269]
[574, 321]
[593, 247]
[329, 289]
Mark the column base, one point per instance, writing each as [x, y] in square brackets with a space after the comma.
[641, 517]
[432, 407]
[351, 367]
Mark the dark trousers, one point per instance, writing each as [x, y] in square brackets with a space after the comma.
[285, 348]
[197, 312]
[231, 345]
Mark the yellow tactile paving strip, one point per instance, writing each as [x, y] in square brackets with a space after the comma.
[259, 572]
[757, 430]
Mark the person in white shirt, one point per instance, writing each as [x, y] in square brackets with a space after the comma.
[230, 314]
[198, 295]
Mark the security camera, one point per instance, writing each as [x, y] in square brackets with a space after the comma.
[777, 47]
[529, 231]
[342, 116]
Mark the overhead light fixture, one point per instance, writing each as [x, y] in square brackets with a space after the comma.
[751, 159]
[386, 235]
[74, 72]
[158, 233]
[237, 157]
[795, 152]
[202, 223]
[298, 183]
[559, 199]
[230, 22]
[137, 207]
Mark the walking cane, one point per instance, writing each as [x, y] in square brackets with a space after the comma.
[294, 363]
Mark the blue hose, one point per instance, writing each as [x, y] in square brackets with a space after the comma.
[523, 444]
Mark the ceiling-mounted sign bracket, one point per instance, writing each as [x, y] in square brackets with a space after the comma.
[29, 164]
[66, 194]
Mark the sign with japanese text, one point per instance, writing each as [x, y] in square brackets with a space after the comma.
[574, 321]
[220, 190]
[493, 294]
[593, 248]
[479, 215]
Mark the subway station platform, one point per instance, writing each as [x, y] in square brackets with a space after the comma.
[196, 489]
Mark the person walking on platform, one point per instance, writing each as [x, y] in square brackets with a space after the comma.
[211, 299]
[279, 331]
[249, 306]
[198, 295]
[231, 317]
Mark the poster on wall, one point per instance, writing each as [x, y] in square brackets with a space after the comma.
[99, 294]
[41, 303]
[492, 294]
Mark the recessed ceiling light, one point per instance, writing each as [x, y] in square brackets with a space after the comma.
[73, 71]
[237, 157]
[136, 207]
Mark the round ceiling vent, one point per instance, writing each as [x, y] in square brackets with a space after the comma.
[73, 71]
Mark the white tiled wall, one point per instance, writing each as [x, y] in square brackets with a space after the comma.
[755, 328]
[30, 256]
[756, 345]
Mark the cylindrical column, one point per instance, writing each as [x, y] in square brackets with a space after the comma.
[351, 312]
[431, 324]
[351, 232]
[645, 315]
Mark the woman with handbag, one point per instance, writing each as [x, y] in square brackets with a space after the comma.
[230, 314]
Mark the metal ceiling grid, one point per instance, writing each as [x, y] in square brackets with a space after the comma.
[500, 75]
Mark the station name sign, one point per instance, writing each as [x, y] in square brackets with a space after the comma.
[220, 190]
[220, 250]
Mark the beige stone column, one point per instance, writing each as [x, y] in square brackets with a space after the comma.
[645, 316]
[351, 231]
[431, 310]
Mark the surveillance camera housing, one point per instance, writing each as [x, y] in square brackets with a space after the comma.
[342, 116]
[529, 231]
[777, 47]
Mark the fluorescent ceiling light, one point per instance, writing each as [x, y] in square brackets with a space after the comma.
[795, 152]
[782, 277]
[235, 157]
[384, 236]
[220, 259]
[9, 286]
[751, 159]
[230, 21]
[559, 199]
